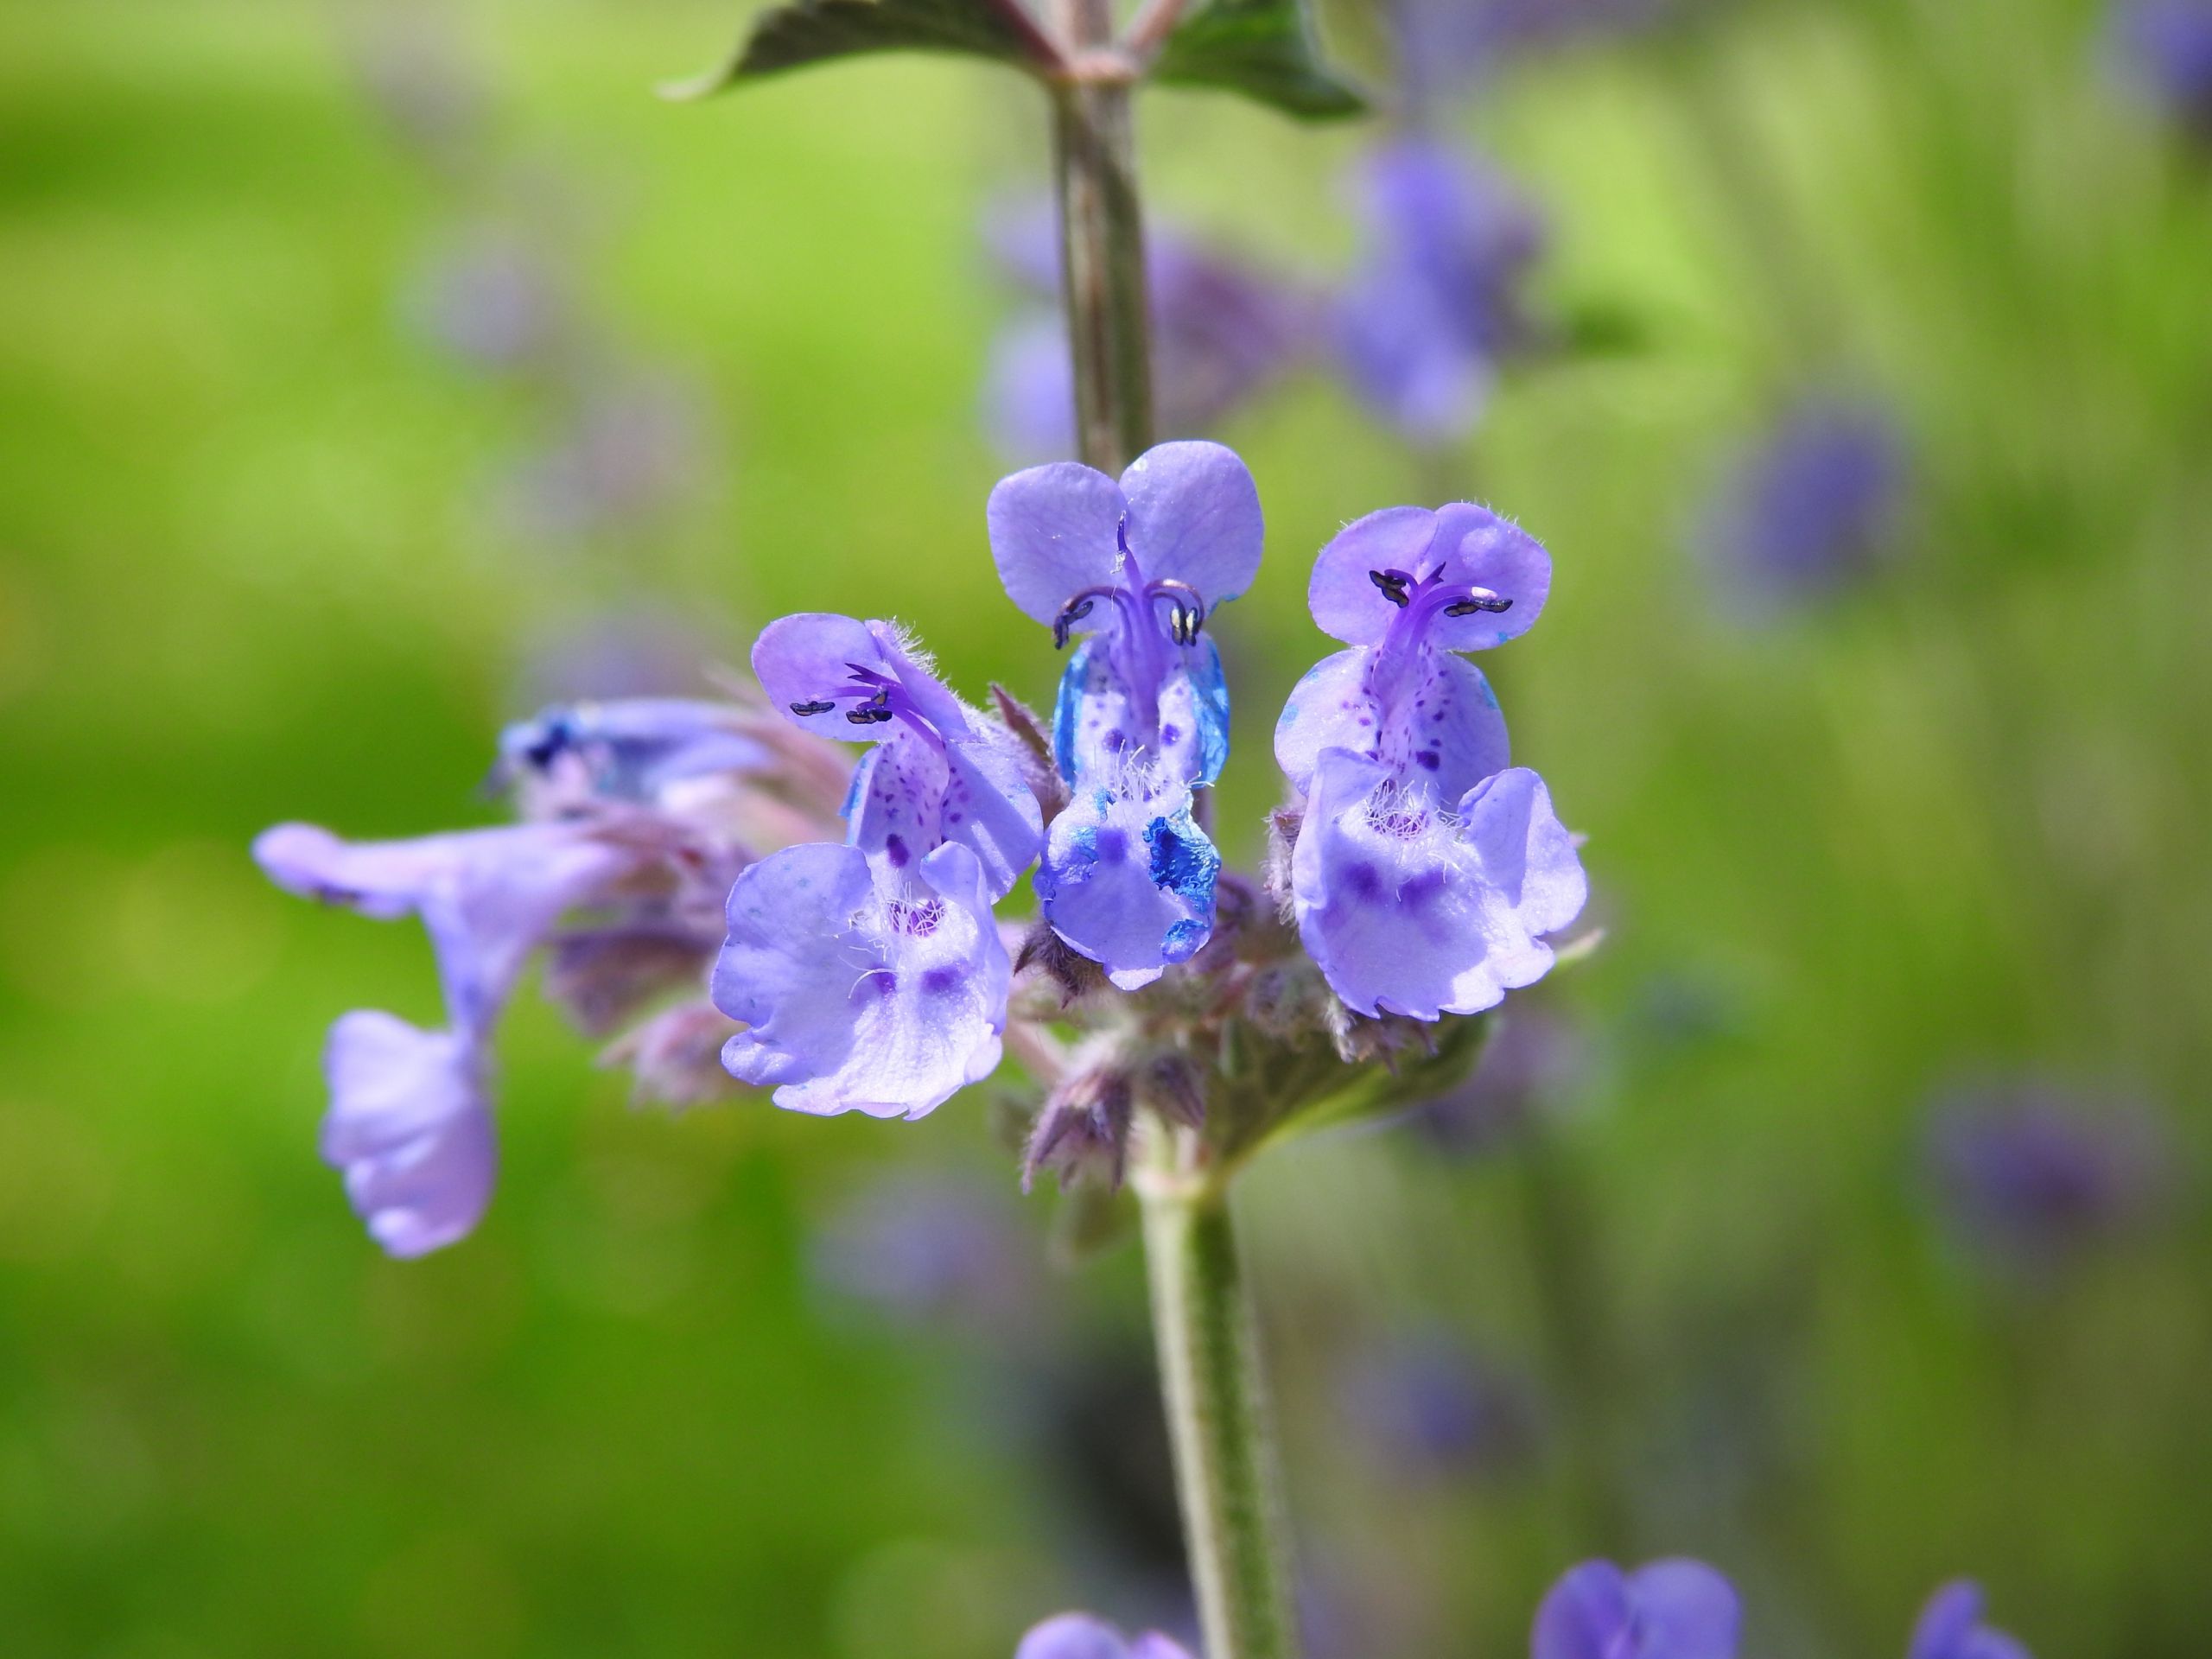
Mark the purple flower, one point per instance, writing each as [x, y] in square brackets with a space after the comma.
[632, 748]
[872, 975]
[1950, 1627]
[1079, 1635]
[935, 772]
[884, 997]
[1142, 717]
[408, 1123]
[1426, 871]
[1427, 1408]
[486, 897]
[1813, 505]
[409, 1129]
[932, 1249]
[1222, 332]
[1435, 303]
[1670, 1609]
[1529, 1060]
[1444, 45]
[2165, 49]
[489, 301]
[2031, 1175]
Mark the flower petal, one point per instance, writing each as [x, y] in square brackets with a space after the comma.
[1407, 910]
[1098, 729]
[1460, 543]
[1685, 1610]
[1586, 1615]
[1449, 732]
[989, 809]
[1127, 878]
[807, 658]
[486, 897]
[1947, 1623]
[1194, 517]
[860, 998]
[409, 1128]
[1329, 708]
[1344, 600]
[1052, 531]
[1073, 1636]
[1473, 544]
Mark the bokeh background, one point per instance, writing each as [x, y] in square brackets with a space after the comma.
[369, 376]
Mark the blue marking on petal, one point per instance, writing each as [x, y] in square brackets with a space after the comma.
[1210, 696]
[1183, 939]
[1184, 862]
[1067, 708]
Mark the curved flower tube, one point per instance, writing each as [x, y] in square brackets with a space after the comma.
[1428, 870]
[1134, 568]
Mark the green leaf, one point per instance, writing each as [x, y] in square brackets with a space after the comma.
[1263, 48]
[815, 31]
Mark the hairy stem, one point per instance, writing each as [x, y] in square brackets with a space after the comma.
[1201, 1309]
[1217, 1418]
[1102, 247]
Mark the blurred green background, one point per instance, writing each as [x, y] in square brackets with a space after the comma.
[266, 553]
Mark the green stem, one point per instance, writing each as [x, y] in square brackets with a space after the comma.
[1217, 1419]
[1201, 1310]
[1102, 246]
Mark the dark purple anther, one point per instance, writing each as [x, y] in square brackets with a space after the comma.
[1395, 586]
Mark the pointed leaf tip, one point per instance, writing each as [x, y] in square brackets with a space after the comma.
[1264, 49]
[815, 31]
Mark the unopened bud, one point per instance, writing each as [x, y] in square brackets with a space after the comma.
[1070, 975]
[1084, 1129]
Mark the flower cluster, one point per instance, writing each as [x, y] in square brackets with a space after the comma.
[868, 971]
[641, 812]
[1674, 1609]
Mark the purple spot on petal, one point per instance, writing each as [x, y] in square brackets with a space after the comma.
[937, 980]
[1429, 759]
[895, 850]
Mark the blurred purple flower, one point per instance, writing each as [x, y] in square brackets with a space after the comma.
[925, 1249]
[1674, 1609]
[1222, 332]
[2030, 1175]
[1435, 303]
[1426, 1407]
[1531, 1057]
[1443, 47]
[486, 897]
[2164, 48]
[488, 301]
[416, 76]
[1426, 871]
[635, 446]
[1813, 505]
[632, 748]
[1079, 1635]
[408, 1123]
[627, 833]
[1950, 1627]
